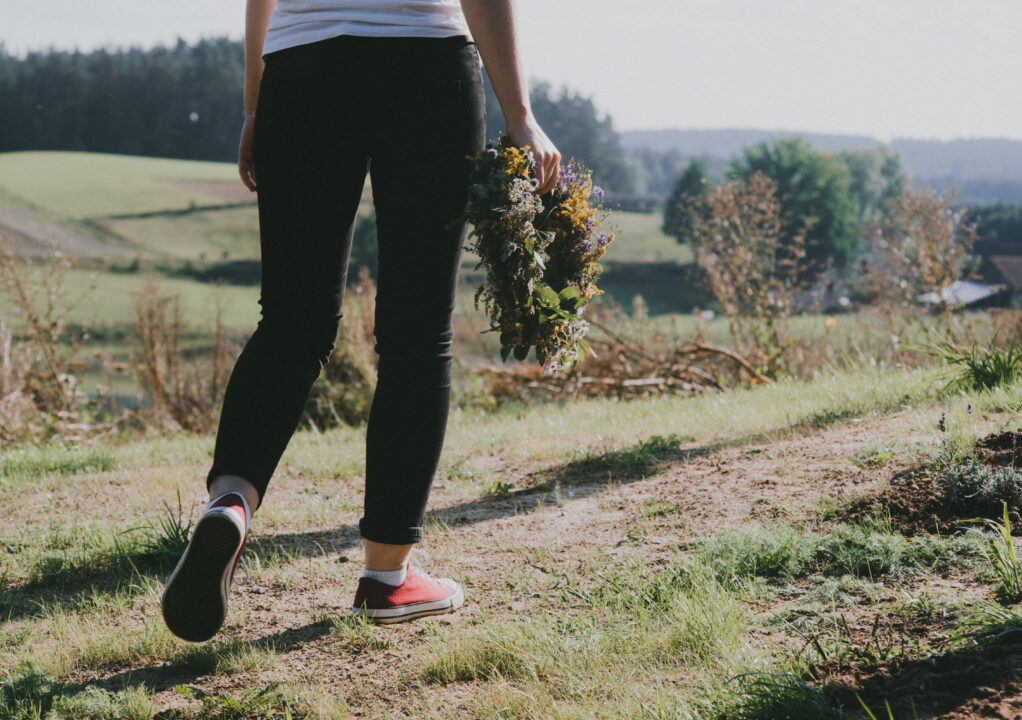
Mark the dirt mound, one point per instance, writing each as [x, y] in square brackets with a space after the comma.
[915, 500]
[982, 682]
[915, 505]
[1001, 449]
[912, 501]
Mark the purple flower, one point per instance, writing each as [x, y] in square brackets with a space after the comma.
[602, 240]
[589, 224]
[598, 192]
[587, 247]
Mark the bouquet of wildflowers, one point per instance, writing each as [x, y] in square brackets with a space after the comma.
[541, 254]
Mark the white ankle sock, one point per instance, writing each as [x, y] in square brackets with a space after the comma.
[390, 577]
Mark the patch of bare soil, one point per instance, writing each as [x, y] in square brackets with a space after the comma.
[28, 231]
[1000, 449]
[957, 685]
[914, 503]
[231, 191]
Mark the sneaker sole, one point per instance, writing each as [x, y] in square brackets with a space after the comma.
[413, 611]
[195, 601]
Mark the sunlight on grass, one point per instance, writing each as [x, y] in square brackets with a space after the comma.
[28, 463]
[637, 628]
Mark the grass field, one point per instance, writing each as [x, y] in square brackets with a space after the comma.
[87, 185]
[116, 207]
[669, 558]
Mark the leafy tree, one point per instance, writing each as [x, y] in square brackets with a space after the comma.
[878, 176]
[814, 191]
[681, 203]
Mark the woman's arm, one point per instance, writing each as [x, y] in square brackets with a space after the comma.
[493, 29]
[257, 17]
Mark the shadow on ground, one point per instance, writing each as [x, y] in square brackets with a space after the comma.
[978, 682]
[586, 476]
[202, 661]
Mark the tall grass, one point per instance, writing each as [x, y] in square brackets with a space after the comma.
[785, 553]
[29, 693]
[981, 368]
[31, 462]
[635, 629]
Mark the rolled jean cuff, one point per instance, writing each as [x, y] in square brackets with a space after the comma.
[388, 534]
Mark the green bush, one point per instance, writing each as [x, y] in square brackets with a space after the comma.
[974, 488]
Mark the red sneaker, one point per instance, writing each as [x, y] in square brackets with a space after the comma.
[419, 595]
[195, 600]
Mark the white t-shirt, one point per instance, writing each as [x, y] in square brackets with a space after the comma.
[299, 22]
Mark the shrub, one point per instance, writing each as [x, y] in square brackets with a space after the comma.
[974, 488]
[186, 392]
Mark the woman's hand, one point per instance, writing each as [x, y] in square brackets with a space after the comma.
[246, 168]
[493, 28]
[545, 155]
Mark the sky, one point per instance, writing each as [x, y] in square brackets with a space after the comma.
[937, 69]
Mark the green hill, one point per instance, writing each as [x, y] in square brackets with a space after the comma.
[87, 185]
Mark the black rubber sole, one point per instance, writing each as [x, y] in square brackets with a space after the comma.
[194, 605]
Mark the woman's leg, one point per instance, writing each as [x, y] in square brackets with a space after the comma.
[431, 122]
[310, 170]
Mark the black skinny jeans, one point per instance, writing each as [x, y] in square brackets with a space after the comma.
[411, 111]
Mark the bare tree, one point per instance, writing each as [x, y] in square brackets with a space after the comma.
[923, 246]
[738, 242]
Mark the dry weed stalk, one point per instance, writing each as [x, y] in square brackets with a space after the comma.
[737, 229]
[344, 391]
[39, 395]
[185, 392]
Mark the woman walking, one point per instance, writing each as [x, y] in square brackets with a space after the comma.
[333, 89]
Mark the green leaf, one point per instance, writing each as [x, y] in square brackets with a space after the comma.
[521, 352]
[505, 352]
[570, 298]
[547, 296]
[480, 191]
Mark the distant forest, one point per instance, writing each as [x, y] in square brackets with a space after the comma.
[185, 102]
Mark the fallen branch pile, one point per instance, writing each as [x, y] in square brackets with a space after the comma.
[626, 369]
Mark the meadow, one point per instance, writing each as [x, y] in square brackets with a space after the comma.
[836, 543]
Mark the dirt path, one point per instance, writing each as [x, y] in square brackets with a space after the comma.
[27, 231]
[510, 552]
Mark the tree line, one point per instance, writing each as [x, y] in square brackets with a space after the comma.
[185, 101]
[828, 202]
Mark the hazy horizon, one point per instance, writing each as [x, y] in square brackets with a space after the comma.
[884, 69]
